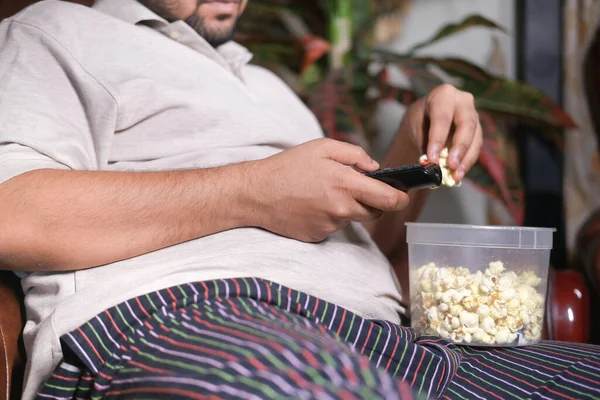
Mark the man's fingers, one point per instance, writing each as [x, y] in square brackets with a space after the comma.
[362, 213]
[376, 194]
[348, 154]
[466, 120]
[440, 107]
[472, 154]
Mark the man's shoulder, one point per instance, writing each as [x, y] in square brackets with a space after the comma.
[57, 18]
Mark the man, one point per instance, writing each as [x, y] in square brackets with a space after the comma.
[182, 228]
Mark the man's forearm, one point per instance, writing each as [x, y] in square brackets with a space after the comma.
[389, 233]
[68, 220]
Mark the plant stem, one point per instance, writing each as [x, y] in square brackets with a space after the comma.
[340, 32]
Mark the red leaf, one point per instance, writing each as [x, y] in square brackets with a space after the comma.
[333, 105]
[494, 173]
[314, 48]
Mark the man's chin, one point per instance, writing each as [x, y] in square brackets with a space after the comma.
[215, 32]
[217, 39]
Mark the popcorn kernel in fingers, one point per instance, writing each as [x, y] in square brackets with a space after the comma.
[447, 178]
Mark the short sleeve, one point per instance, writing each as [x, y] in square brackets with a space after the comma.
[53, 113]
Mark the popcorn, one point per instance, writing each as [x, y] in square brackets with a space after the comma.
[470, 302]
[447, 178]
[444, 334]
[507, 280]
[489, 326]
[514, 304]
[426, 272]
[493, 307]
[467, 337]
[448, 296]
[455, 323]
[507, 294]
[426, 287]
[491, 281]
[524, 316]
[495, 269]
[483, 311]
[530, 279]
[461, 282]
[498, 310]
[487, 284]
[456, 309]
[504, 336]
[514, 324]
[459, 295]
[433, 315]
[428, 299]
[482, 337]
[469, 320]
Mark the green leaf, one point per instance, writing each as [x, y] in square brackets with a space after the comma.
[519, 100]
[311, 76]
[493, 94]
[451, 29]
[457, 67]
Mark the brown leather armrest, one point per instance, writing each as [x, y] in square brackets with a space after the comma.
[12, 359]
[568, 310]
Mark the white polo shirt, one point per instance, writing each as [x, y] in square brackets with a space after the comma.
[115, 88]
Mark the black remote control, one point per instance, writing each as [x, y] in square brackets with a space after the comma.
[409, 177]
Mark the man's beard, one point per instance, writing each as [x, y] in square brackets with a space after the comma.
[215, 37]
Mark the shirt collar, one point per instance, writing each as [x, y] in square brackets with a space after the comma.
[130, 11]
[231, 55]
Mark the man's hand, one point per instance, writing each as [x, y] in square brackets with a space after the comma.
[311, 191]
[445, 118]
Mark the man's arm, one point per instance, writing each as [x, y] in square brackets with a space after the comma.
[67, 220]
[428, 124]
[389, 232]
[53, 220]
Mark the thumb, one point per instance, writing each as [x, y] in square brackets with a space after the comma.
[349, 154]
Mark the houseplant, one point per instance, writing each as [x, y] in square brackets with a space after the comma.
[329, 52]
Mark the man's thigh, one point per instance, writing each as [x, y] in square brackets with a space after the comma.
[187, 342]
[548, 370]
[242, 348]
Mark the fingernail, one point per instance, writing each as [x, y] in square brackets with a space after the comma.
[455, 157]
[375, 163]
[460, 174]
[435, 153]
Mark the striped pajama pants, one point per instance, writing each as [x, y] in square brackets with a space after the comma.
[254, 339]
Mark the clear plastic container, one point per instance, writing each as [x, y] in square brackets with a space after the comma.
[479, 285]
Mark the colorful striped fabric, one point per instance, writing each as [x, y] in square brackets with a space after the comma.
[250, 338]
